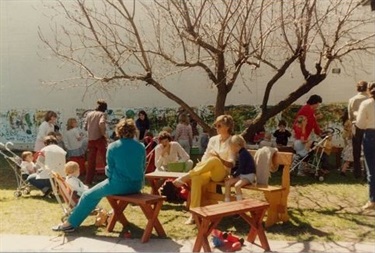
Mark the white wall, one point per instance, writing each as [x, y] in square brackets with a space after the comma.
[22, 69]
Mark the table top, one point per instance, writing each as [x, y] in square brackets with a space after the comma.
[164, 174]
[229, 208]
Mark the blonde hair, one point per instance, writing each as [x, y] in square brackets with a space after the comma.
[126, 128]
[25, 154]
[71, 167]
[227, 120]
[239, 140]
[69, 123]
[167, 129]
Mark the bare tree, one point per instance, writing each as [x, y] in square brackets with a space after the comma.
[224, 39]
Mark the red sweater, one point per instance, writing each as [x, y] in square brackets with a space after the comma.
[308, 112]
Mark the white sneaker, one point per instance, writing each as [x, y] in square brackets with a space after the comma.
[369, 205]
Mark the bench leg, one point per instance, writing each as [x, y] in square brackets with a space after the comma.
[153, 221]
[118, 213]
[256, 228]
[278, 208]
[205, 227]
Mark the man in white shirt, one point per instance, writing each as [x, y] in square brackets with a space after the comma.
[357, 138]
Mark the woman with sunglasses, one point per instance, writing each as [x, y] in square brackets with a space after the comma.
[216, 164]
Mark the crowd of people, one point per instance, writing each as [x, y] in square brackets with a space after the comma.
[225, 155]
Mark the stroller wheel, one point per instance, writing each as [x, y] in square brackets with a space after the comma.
[17, 194]
[27, 191]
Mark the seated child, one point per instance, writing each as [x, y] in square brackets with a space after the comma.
[245, 172]
[27, 165]
[267, 141]
[72, 173]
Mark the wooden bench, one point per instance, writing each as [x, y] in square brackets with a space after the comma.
[208, 217]
[276, 195]
[150, 205]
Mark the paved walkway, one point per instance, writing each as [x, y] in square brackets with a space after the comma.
[70, 243]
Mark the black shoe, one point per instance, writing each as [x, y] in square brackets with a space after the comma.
[48, 193]
[65, 229]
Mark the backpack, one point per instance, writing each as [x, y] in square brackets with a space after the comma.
[172, 192]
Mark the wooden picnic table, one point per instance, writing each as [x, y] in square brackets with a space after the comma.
[208, 217]
[155, 177]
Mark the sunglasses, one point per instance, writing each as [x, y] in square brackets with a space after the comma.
[218, 125]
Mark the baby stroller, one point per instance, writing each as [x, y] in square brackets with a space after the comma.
[15, 161]
[313, 162]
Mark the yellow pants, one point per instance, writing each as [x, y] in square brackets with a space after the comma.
[211, 169]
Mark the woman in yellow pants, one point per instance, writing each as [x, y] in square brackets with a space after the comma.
[217, 161]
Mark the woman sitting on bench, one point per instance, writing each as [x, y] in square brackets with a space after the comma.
[216, 163]
[126, 159]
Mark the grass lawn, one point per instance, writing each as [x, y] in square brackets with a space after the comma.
[319, 211]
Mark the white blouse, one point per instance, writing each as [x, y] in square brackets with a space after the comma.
[176, 154]
[223, 149]
[366, 114]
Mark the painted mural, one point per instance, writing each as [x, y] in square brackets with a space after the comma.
[20, 126]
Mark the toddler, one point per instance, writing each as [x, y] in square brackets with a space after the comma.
[245, 172]
[282, 134]
[27, 165]
[267, 141]
[75, 142]
[72, 173]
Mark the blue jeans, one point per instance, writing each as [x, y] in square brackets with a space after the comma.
[90, 198]
[368, 150]
[41, 183]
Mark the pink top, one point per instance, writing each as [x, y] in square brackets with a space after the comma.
[184, 132]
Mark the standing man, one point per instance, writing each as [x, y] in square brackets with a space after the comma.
[366, 122]
[95, 125]
[357, 138]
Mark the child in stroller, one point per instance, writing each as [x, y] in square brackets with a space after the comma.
[27, 165]
[15, 162]
[311, 157]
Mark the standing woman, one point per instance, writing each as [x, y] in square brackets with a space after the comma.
[126, 159]
[143, 124]
[47, 126]
[216, 164]
[184, 133]
[366, 122]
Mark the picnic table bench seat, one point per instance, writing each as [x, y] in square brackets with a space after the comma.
[150, 205]
[276, 195]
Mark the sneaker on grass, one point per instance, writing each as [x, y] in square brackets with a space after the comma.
[62, 228]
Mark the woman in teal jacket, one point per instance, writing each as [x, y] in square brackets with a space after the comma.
[126, 159]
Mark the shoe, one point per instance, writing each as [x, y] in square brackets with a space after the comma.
[190, 221]
[62, 228]
[178, 182]
[47, 193]
[342, 173]
[369, 205]
[301, 174]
